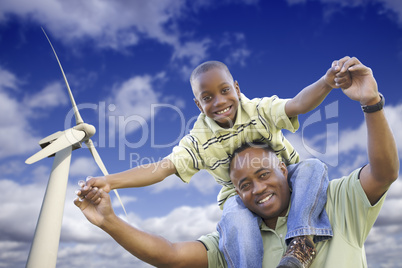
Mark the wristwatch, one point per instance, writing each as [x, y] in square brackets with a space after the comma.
[375, 107]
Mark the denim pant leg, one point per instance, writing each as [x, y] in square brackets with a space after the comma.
[240, 238]
[308, 180]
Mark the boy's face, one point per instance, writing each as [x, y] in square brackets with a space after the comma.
[260, 180]
[217, 96]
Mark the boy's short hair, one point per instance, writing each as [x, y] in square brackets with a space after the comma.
[206, 66]
[253, 144]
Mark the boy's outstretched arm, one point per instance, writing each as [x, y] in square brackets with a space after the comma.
[312, 96]
[153, 249]
[140, 176]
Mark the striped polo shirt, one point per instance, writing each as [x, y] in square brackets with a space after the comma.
[209, 146]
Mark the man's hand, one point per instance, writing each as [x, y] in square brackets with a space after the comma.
[96, 205]
[363, 87]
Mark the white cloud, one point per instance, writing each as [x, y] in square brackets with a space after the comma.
[237, 54]
[328, 145]
[383, 246]
[17, 136]
[133, 99]
[202, 181]
[109, 24]
[120, 24]
[52, 95]
[135, 102]
[205, 183]
[392, 8]
[82, 166]
[117, 23]
[170, 182]
[7, 80]
[125, 199]
[20, 210]
[184, 223]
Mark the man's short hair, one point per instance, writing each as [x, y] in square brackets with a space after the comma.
[206, 66]
[253, 144]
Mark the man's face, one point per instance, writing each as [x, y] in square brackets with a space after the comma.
[261, 182]
[217, 96]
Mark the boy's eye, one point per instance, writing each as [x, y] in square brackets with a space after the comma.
[225, 90]
[206, 98]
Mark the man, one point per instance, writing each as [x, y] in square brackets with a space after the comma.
[261, 182]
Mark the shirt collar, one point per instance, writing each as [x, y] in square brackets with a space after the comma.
[281, 221]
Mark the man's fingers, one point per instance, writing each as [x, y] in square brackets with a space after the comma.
[80, 203]
[77, 202]
[346, 65]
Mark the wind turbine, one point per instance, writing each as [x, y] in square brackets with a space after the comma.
[43, 253]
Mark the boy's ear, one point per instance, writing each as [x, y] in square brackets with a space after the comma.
[198, 105]
[237, 87]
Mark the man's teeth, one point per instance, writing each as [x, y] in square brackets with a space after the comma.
[223, 111]
[265, 199]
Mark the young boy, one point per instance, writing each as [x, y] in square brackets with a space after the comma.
[227, 120]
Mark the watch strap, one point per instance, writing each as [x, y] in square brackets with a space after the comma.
[375, 107]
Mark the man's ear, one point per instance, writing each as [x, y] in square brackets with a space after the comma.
[237, 87]
[283, 168]
[198, 105]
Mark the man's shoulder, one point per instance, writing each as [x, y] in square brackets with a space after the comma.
[344, 185]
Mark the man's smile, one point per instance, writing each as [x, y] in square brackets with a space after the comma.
[266, 199]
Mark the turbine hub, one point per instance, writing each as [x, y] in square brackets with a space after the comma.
[89, 130]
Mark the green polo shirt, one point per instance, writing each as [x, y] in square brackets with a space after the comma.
[209, 146]
[351, 216]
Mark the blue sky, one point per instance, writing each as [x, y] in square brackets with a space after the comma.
[128, 64]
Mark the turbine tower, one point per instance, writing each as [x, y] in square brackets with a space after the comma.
[45, 244]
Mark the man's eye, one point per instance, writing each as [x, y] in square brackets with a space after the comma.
[265, 174]
[245, 186]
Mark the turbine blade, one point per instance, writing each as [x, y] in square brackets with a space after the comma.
[69, 137]
[78, 118]
[102, 167]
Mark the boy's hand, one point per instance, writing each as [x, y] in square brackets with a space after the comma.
[96, 206]
[99, 182]
[336, 76]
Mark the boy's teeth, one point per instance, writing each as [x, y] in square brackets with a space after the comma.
[265, 199]
[223, 111]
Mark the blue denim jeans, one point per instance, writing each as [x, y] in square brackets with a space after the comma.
[240, 238]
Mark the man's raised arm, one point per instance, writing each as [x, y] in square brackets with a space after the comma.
[383, 167]
[150, 248]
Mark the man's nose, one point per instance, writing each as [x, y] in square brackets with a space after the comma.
[259, 187]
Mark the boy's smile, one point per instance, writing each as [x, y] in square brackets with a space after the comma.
[217, 96]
